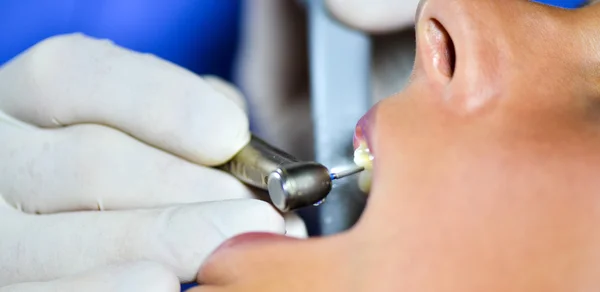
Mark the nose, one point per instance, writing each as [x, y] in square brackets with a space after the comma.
[465, 47]
[479, 55]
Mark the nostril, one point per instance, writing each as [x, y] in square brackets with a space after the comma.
[442, 48]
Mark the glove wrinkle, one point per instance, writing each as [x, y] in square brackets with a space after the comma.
[8, 120]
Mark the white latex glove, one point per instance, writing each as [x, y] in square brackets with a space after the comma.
[375, 16]
[85, 126]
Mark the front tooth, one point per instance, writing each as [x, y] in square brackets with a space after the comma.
[364, 181]
[363, 157]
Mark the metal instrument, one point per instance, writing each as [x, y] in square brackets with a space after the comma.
[291, 184]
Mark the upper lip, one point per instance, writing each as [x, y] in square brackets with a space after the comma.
[363, 129]
[358, 137]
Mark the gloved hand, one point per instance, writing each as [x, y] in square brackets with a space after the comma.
[375, 16]
[87, 126]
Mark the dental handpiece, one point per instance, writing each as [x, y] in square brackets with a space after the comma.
[290, 183]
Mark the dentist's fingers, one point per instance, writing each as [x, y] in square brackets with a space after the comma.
[295, 226]
[47, 247]
[92, 167]
[375, 16]
[228, 91]
[74, 79]
[141, 276]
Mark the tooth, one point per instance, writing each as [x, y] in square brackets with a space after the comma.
[363, 157]
[364, 181]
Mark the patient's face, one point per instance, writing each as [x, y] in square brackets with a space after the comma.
[486, 172]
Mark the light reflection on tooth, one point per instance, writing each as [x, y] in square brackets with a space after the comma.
[363, 157]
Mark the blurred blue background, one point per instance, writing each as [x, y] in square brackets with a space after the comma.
[201, 35]
[563, 3]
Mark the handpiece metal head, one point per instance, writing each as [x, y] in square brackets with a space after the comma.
[298, 184]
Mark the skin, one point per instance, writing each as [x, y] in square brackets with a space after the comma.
[485, 173]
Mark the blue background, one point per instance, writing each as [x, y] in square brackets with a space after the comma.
[562, 3]
[200, 35]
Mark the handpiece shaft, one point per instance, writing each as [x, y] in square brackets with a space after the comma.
[290, 183]
[256, 161]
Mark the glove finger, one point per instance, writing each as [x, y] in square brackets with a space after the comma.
[228, 91]
[92, 167]
[295, 226]
[375, 16]
[74, 79]
[141, 276]
[42, 248]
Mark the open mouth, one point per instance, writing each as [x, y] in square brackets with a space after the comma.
[363, 156]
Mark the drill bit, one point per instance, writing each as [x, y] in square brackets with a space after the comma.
[345, 173]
